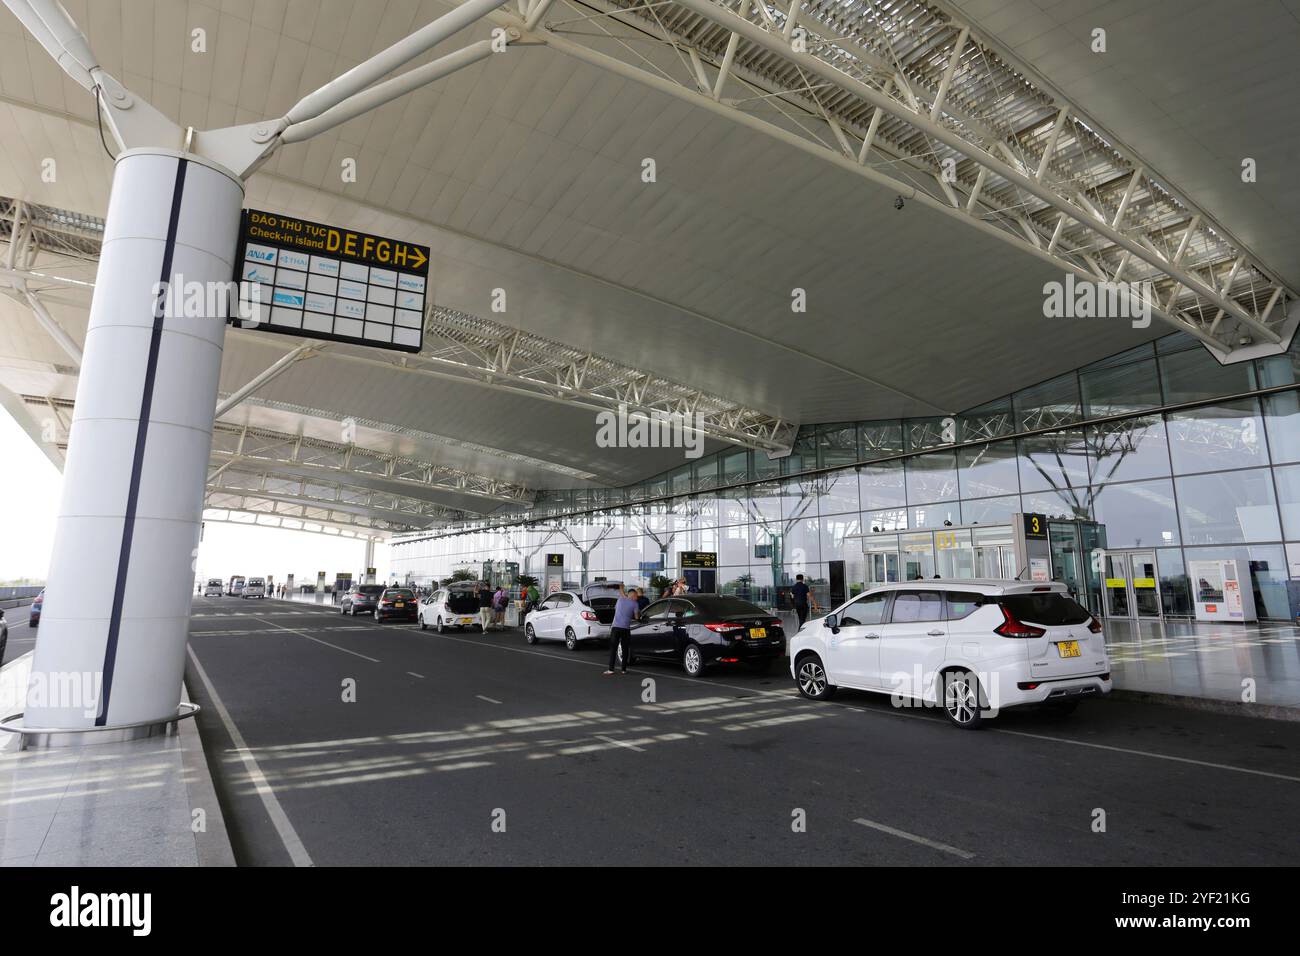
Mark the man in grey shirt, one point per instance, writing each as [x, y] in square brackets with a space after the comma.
[620, 632]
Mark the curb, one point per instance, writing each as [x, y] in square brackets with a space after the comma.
[213, 845]
[1230, 707]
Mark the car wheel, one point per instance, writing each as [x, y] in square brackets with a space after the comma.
[961, 699]
[812, 680]
[529, 634]
[423, 625]
[693, 660]
[570, 639]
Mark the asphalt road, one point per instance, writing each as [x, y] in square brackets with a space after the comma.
[22, 637]
[472, 749]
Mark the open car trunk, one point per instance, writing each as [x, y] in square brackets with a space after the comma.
[462, 602]
[601, 598]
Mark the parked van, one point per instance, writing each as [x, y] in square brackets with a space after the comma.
[254, 588]
[213, 588]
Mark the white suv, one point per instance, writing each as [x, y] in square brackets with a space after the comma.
[254, 588]
[450, 607]
[969, 646]
[574, 616]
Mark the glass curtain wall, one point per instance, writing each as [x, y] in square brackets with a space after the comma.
[1102, 443]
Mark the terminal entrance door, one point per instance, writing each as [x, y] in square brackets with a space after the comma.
[882, 567]
[1132, 585]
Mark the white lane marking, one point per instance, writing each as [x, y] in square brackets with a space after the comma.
[933, 844]
[488, 699]
[414, 674]
[1148, 753]
[894, 713]
[288, 835]
[302, 633]
[620, 743]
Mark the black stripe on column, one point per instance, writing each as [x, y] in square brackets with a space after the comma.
[141, 434]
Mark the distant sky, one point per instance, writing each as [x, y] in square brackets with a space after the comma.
[30, 487]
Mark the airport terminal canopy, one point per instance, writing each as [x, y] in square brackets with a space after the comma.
[769, 214]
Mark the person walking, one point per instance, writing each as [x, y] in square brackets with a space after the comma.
[799, 596]
[620, 632]
[499, 602]
[484, 606]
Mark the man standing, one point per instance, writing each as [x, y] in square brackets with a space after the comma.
[484, 606]
[800, 595]
[620, 633]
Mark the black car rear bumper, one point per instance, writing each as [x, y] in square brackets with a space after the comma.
[746, 651]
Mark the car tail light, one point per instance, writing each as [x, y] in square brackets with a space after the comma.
[722, 628]
[775, 622]
[1094, 625]
[589, 616]
[1010, 627]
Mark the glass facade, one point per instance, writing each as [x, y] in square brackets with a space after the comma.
[1106, 443]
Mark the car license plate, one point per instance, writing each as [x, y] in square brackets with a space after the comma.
[758, 633]
[1068, 648]
[399, 604]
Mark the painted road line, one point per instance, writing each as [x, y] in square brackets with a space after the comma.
[620, 743]
[414, 674]
[302, 633]
[288, 835]
[488, 699]
[903, 834]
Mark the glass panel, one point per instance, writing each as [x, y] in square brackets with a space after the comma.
[1228, 507]
[1268, 576]
[988, 470]
[1049, 404]
[880, 439]
[1117, 602]
[989, 510]
[1216, 437]
[932, 477]
[891, 519]
[735, 467]
[1137, 514]
[922, 433]
[939, 515]
[1128, 450]
[1122, 389]
[1282, 415]
[837, 445]
[838, 492]
[1175, 596]
[1055, 461]
[1288, 499]
[1069, 503]
[882, 486]
[734, 545]
[1195, 375]
[991, 420]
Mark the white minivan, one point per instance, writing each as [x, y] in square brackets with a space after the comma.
[970, 646]
[254, 588]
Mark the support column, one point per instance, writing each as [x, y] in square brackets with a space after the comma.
[370, 560]
[121, 575]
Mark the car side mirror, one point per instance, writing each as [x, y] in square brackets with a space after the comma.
[833, 622]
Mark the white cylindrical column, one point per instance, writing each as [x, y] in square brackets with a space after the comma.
[111, 646]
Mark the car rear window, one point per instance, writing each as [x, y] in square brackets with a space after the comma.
[371, 589]
[400, 593]
[1050, 609]
[723, 605]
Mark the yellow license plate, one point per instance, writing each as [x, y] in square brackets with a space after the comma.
[1068, 648]
[399, 604]
[758, 633]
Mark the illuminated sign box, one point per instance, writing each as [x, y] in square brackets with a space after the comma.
[325, 282]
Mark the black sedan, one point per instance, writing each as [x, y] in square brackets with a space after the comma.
[397, 603]
[697, 630]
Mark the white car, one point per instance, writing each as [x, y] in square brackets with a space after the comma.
[213, 588]
[969, 646]
[573, 616]
[254, 588]
[450, 607]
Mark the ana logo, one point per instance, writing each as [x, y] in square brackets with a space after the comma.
[260, 255]
[74, 909]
